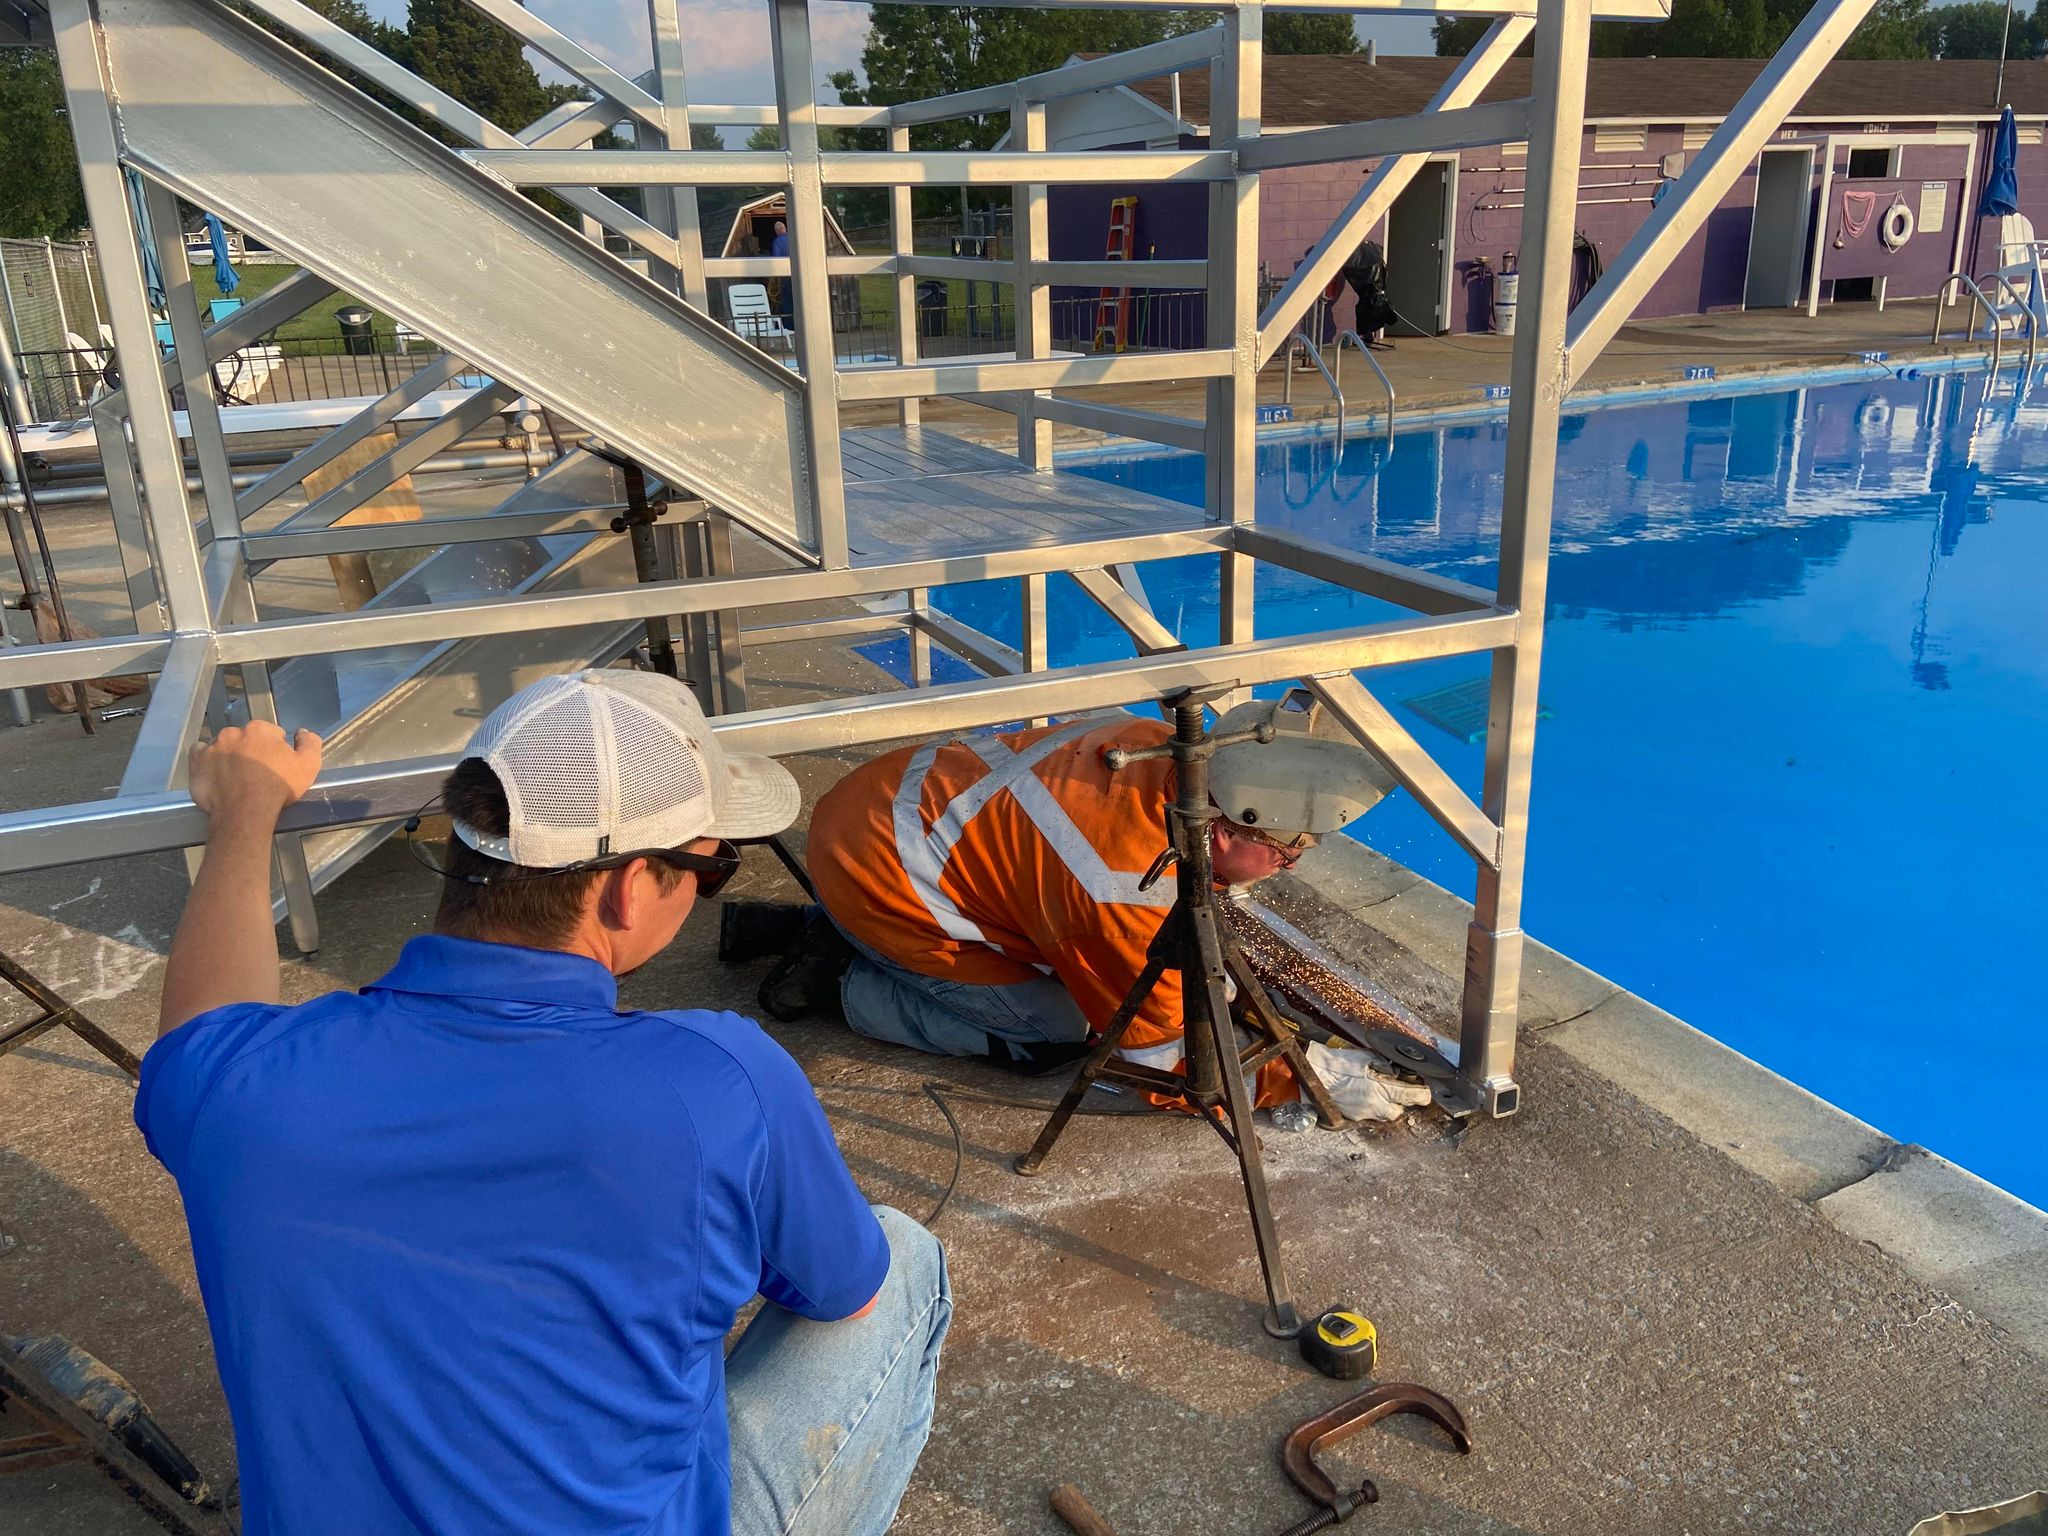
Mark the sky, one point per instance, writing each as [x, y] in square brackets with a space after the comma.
[725, 42]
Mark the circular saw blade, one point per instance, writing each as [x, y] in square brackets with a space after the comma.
[1410, 1055]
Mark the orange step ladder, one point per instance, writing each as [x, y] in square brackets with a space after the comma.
[1113, 305]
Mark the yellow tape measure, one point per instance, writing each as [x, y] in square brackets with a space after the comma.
[1342, 1343]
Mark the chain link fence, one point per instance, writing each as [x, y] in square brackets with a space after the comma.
[49, 294]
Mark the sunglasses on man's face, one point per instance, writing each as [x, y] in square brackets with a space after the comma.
[711, 869]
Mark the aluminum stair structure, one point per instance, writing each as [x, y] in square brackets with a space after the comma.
[400, 701]
[200, 100]
[283, 148]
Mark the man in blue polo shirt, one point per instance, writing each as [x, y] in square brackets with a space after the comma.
[470, 1240]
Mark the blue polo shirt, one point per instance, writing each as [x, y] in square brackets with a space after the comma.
[470, 1241]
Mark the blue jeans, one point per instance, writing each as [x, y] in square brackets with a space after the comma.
[827, 1419]
[884, 1001]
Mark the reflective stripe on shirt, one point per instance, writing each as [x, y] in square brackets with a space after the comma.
[924, 855]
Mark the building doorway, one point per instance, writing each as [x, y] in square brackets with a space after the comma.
[1781, 229]
[1419, 232]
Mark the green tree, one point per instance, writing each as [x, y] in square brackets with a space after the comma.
[915, 51]
[704, 136]
[1286, 33]
[1729, 29]
[767, 136]
[450, 45]
[40, 193]
[1975, 29]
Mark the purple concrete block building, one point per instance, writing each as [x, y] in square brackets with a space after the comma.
[1807, 224]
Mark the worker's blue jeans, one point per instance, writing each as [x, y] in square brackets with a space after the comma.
[828, 1418]
[884, 1001]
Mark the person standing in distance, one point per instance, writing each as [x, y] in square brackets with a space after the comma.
[470, 1239]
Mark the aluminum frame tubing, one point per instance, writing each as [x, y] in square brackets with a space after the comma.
[1371, 202]
[158, 451]
[149, 823]
[330, 445]
[673, 210]
[727, 423]
[919, 168]
[1119, 593]
[1100, 74]
[1426, 133]
[1231, 471]
[1182, 432]
[1051, 373]
[1436, 791]
[178, 701]
[1033, 300]
[188, 359]
[462, 121]
[378, 476]
[902, 227]
[796, 99]
[1726, 156]
[1491, 1003]
[282, 638]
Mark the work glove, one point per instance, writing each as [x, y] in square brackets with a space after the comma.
[1359, 1091]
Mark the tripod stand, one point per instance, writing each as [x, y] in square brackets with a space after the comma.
[1203, 950]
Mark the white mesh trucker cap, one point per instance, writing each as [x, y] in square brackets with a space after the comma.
[596, 763]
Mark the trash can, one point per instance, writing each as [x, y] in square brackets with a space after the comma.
[931, 307]
[356, 339]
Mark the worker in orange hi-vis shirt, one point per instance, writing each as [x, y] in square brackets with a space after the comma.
[981, 897]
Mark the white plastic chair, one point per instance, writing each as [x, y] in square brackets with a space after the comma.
[2019, 263]
[755, 318]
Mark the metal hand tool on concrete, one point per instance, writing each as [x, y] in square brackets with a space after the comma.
[1298, 1451]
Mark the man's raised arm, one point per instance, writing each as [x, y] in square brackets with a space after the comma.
[226, 946]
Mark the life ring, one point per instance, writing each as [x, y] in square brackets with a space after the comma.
[1334, 289]
[1898, 226]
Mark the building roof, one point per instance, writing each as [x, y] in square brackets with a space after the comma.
[1308, 90]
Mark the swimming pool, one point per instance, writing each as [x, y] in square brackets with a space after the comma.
[1790, 781]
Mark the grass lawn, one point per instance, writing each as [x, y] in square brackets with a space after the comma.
[316, 324]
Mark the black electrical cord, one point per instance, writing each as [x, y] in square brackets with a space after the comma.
[939, 1092]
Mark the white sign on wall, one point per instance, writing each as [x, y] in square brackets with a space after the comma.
[1933, 207]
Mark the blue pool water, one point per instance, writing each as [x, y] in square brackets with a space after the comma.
[1791, 784]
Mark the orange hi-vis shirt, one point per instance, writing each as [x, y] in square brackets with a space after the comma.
[996, 860]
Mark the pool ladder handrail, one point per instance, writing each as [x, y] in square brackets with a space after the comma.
[1315, 355]
[1978, 301]
[1365, 351]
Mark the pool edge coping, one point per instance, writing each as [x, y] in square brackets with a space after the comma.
[1372, 422]
[1950, 1229]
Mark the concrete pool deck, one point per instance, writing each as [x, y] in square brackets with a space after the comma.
[1673, 1294]
[1435, 377]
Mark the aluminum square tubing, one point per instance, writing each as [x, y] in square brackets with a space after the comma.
[390, 791]
[1372, 200]
[1426, 133]
[1052, 373]
[157, 448]
[1033, 300]
[902, 232]
[1112, 69]
[458, 119]
[823, 522]
[919, 168]
[1495, 941]
[368, 630]
[1231, 468]
[1727, 155]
